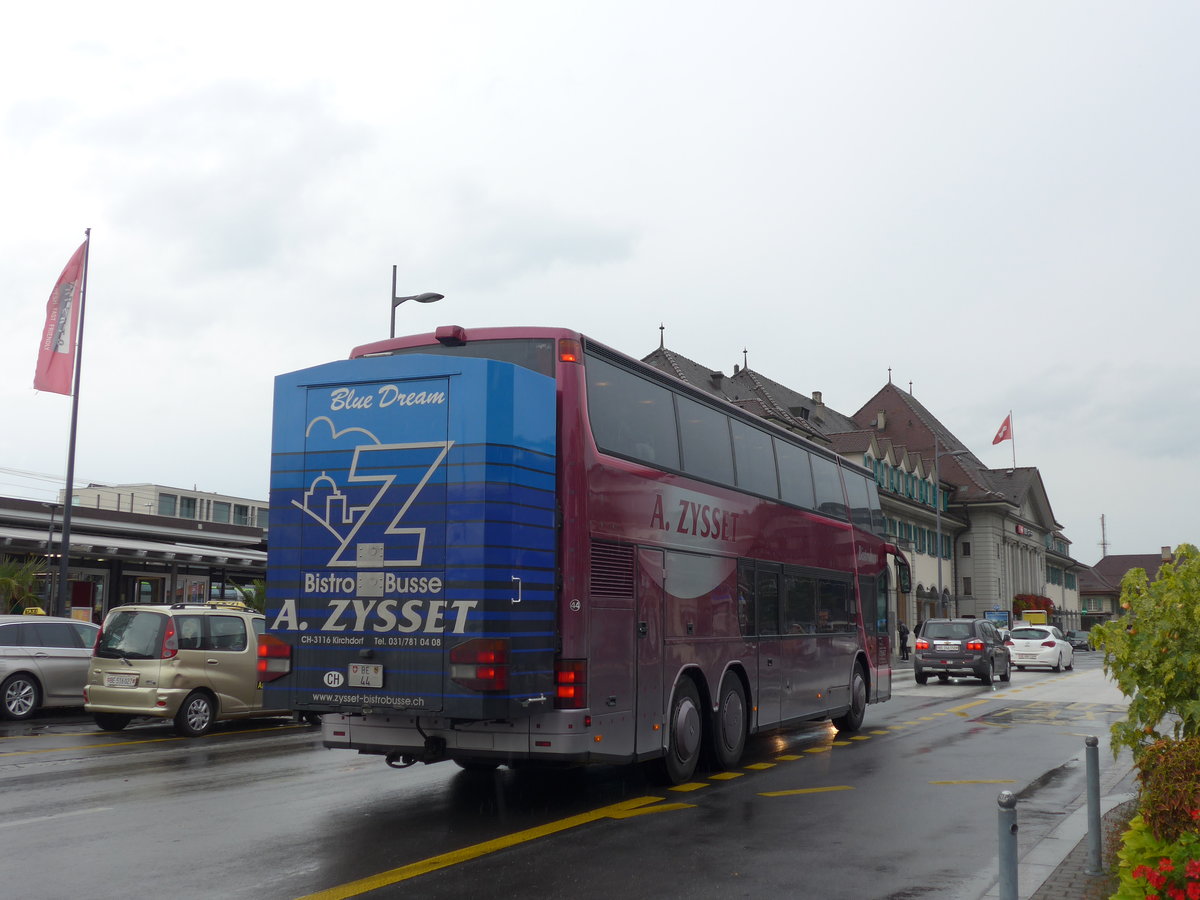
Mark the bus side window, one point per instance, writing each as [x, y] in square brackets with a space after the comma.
[799, 605]
[745, 598]
[833, 612]
[767, 598]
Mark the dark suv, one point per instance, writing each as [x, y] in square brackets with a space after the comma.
[961, 647]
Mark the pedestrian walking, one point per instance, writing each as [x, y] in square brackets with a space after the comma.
[903, 641]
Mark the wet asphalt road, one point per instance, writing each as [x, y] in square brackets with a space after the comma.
[905, 809]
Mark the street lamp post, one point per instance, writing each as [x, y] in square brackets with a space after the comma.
[427, 297]
[937, 506]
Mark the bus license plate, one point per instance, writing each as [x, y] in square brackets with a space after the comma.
[123, 679]
[361, 675]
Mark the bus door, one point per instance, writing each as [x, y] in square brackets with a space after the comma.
[873, 593]
[650, 700]
[770, 644]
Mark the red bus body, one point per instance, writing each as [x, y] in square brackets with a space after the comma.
[690, 612]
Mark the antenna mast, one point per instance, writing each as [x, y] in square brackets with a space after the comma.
[1103, 538]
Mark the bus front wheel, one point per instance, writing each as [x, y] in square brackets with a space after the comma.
[729, 733]
[685, 728]
[852, 719]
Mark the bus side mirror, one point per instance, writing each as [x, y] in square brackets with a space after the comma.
[904, 577]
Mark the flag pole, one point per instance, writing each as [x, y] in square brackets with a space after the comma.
[64, 561]
[1012, 430]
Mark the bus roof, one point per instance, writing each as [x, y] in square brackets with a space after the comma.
[456, 334]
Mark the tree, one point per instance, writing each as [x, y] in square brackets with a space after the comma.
[18, 577]
[1153, 652]
[254, 595]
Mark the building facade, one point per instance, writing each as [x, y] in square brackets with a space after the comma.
[118, 556]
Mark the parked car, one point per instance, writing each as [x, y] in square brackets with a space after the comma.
[1041, 645]
[1079, 640]
[960, 647]
[193, 663]
[43, 662]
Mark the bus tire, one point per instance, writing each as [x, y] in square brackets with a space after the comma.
[685, 731]
[729, 731]
[852, 719]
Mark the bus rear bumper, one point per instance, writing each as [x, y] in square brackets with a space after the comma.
[559, 738]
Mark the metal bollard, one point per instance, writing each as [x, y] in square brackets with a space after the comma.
[1095, 830]
[1007, 820]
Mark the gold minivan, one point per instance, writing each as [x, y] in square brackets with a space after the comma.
[194, 663]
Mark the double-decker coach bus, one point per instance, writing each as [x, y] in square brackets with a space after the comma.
[515, 545]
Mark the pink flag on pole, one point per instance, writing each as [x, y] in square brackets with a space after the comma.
[56, 355]
[1005, 432]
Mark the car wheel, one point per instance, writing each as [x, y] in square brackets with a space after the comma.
[111, 721]
[1070, 662]
[1057, 667]
[685, 729]
[853, 718]
[19, 696]
[196, 715]
[986, 677]
[921, 677]
[729, 733]
[1006, 675]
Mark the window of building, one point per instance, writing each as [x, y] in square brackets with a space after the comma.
[967, 585]
[220, 512]
[261, 517]
[166, 504]
[241, 514]
[1069, 581]
[966, 550]
[187, 507]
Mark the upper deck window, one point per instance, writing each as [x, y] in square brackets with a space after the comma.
[632, 416]
[537, 354]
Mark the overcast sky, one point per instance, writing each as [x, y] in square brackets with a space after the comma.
[998, 201]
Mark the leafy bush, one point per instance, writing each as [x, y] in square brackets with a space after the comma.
[1151, 867]
[1169, 772]
[1153, 652]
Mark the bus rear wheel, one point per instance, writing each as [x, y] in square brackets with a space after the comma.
[729, 731]
[852, 719]
[685, 728]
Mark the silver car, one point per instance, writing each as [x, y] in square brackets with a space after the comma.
[43, 662]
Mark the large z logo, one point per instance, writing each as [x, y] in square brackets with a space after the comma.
[365, 469]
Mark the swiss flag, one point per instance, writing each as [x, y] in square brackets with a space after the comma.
[1005, 432]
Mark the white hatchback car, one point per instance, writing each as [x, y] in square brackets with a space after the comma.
[1040, 645]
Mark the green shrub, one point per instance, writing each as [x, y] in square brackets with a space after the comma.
[1150, 867]
[1153, 652]
[1169, 772]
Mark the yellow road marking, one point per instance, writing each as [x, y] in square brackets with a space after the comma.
[622, 810]
[820, 790]
[861, 737]
[760, 766]
[105, 746]
[726, 776]
[978, 781]
[841, 743]
[689, 786]
[817, 750]
[789, 756]
[880, 731]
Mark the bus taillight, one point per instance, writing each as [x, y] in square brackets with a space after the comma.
[570, 684]
[569, 350]
[274, 658]
[480, 664]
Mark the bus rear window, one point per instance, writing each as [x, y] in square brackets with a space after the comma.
[537, 354]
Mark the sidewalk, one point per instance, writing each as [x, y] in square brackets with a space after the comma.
[1057, 868]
